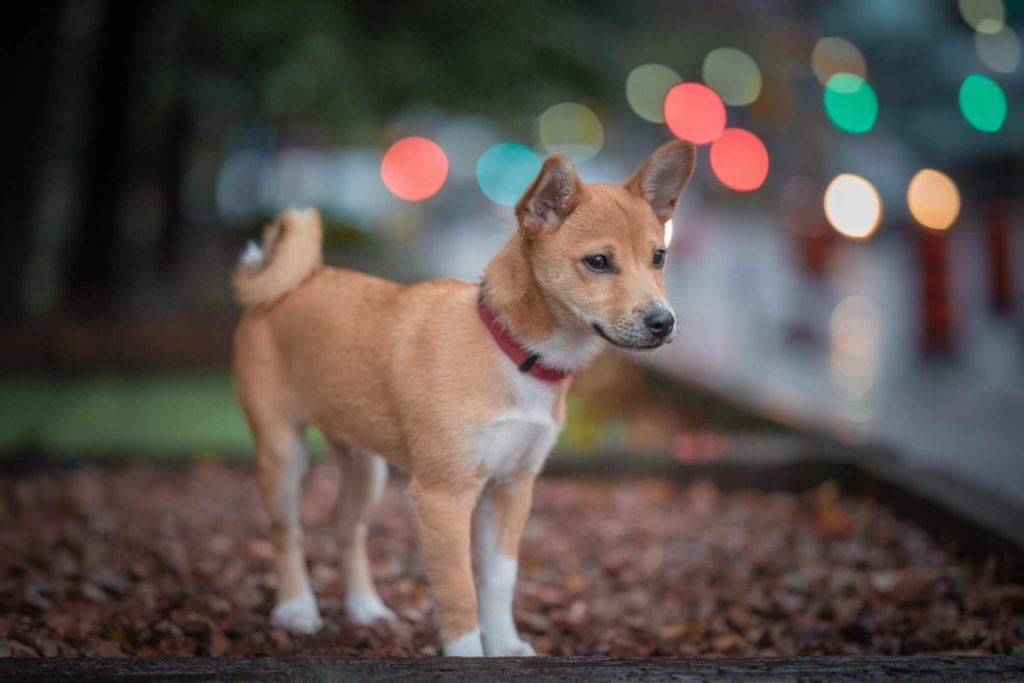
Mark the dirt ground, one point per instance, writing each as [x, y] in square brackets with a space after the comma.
[150, 560]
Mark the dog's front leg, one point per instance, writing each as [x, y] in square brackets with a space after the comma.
[500, 518]
[444, 515]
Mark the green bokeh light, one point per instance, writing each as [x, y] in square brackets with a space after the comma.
[850, 103]
[983, 103]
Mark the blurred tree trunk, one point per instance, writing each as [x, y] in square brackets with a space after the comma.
[93, 270]
[31, 43]
[180, 128]
[171, 175]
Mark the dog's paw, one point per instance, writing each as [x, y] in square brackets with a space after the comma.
[510, 648]
[298, 615]
[466, 645]
[367, 608]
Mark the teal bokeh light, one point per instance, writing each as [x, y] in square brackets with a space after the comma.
[983, 103]
[850, 103]
[505, 170]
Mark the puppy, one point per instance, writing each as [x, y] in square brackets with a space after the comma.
[460, 385]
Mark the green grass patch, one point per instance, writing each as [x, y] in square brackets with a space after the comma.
[169, 415]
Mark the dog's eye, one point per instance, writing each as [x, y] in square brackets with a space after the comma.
[659, 258]
[597, 263]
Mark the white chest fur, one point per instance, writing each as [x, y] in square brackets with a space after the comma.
[521, 437]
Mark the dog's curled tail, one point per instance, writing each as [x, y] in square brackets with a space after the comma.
[292, 249]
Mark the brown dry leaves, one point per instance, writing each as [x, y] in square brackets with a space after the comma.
[148, 560]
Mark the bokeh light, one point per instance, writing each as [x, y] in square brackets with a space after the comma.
[505, 170]
[856, 331]
[739, 160]
[850, 103]
[852, 206]
[999, 51]
[832, 55]
[733, 74]
[414, 168]
[855, 326]
[983, 103]
[933, 199]
[646, 87]
[984, 16]
[694, 112]
[571, 129]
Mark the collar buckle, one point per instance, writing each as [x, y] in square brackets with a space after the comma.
[529, 363]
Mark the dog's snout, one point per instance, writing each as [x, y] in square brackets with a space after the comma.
[660, 321]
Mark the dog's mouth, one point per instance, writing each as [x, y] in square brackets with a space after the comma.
[631, 347]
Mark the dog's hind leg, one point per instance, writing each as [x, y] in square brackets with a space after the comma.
[363, 477]
[281, 458]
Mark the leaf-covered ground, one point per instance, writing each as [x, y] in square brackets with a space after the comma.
[154, 560]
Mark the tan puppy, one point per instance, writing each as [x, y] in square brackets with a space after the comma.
[461, 385]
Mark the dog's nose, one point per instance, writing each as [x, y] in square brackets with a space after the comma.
[660, 321]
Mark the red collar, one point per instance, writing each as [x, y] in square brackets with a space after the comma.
[526, 362]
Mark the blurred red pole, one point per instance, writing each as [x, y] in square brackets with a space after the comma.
[815, 247]
[1000, 264]
[935, 305]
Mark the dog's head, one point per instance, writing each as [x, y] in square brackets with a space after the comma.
[599, 250]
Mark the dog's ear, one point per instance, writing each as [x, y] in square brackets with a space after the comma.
[552, 196]
[661, 179]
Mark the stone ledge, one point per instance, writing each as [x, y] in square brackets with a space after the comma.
[877, 669]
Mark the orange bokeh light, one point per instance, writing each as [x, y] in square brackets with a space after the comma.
[414, 168]
[739, 160]
[933, 199]
[694, 112]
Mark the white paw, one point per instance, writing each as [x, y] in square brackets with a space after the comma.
[467, 645]
[510, 648]
[367, 608]
[298, 615]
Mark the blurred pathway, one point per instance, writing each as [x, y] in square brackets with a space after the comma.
[843, 357]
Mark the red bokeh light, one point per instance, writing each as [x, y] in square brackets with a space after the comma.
[694, 112]
[414, 168]
[739, 160]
